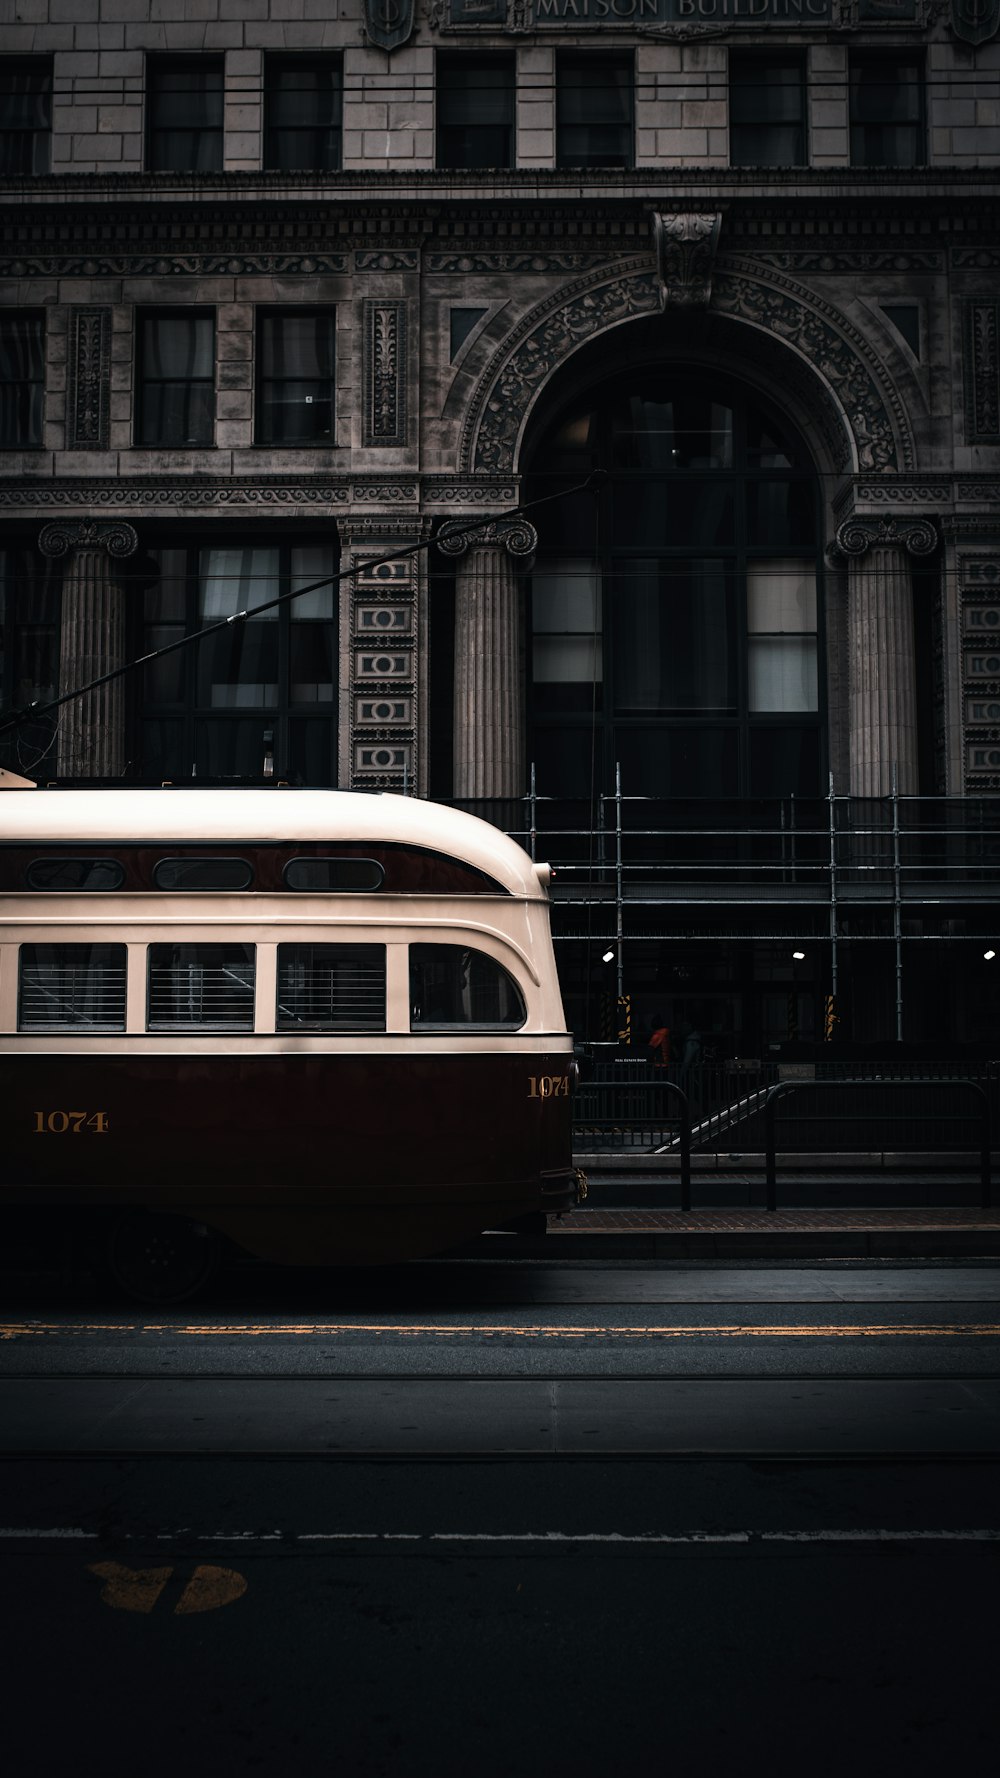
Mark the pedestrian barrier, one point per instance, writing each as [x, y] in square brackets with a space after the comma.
[785, 1088]
[630, 1113]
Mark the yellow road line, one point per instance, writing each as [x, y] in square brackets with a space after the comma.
[506, 1330]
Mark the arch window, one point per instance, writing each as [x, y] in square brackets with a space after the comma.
[675, 616]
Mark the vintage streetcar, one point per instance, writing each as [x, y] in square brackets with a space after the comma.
[324, 1026]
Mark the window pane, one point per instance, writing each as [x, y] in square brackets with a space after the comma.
[201, 987]
[71, 988]
[177, 379]
[451, 987]
[311, 664]
[185, 115]
[25, 114]
[202, 873]
[781, 595]
[22, 379]
[340, 875]
[312, 562]
[674, 636]
[782, 673]
[331, 988]
[781, 512]
[475, 110]
[566, 595]
[682, 434]
[677, 762]
[673, 513]
[75, 873]
[573, 660]
[235, 748]
[296, 392]
[784, 761]
[303, 103]
[593, 109]
[237, 579]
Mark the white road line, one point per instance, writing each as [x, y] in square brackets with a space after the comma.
[63, 1533]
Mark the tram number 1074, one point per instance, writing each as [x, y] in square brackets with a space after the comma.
[548, 1086]
[58, 1123]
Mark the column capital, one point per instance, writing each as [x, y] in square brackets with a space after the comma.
[515, 535]
[855, 537]
[64, 536]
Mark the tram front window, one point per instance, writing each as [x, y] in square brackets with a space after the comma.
[452, 988]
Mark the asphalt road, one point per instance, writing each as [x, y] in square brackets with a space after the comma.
[506, 1518]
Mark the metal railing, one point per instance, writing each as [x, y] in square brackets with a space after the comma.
[630, 1114]
[785, 1088]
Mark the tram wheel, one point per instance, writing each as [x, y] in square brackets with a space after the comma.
[160, 1259]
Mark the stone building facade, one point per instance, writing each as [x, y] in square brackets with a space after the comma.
[288, 287]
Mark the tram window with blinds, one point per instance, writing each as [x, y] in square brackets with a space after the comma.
[305, 1024]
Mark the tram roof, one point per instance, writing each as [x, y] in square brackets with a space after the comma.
[256, 817]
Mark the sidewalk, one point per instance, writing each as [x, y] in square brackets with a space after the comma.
[790, 1233]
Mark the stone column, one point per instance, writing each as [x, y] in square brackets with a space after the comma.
[489, 704]
[883, 693]
[91, 642]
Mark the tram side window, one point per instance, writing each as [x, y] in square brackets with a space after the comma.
[201, 987]
[452, 988]
[331, 988]
[71, 988]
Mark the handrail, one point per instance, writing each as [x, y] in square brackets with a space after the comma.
[784, 1087]
[684, 1121]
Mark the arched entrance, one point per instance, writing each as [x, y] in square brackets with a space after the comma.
[674, 615]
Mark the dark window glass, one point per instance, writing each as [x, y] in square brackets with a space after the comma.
[295, 392]
[677, 513]
[767, 110]
[593, 108]
[185, 114]
[475, 109]
[780, 512]
[331, 988]
[176, 379]
[350, 875]
[784, 761]
[674, 635]
[202, 873]
[71, 988]
[22, 379]
[29, 653]
[678, 762]
[887, 110]
[687, 433]
[454, 988]
[242, 692]
[25, 114]
[75, 873]
[201, 987]
[303, 109]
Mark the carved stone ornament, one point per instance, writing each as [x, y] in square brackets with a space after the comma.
[685, 255]
[856, 536]
[516, 535]
[975, 21]
[64, 536]
[388, 23]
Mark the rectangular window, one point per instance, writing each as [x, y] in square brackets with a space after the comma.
[201, 987]
[303, 108]
[331, 988]
[295, 389]
[767, 109]
[184, 114]
[256, 699]
[781, 635]
[887, 110]
[593, 108]
[22, 378]
[176, 392]
[71, 988]
[567, 625]
[475, 109]
[25, 114]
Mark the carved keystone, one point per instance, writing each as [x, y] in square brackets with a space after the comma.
[685, 257]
